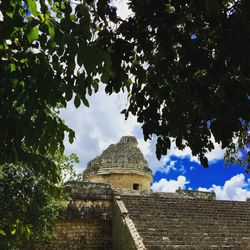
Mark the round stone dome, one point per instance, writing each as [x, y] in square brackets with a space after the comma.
[123, 158]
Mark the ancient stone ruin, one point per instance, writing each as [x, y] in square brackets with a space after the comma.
[121, 165]
[114, 208]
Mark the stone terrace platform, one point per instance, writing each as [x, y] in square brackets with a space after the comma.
[171, 222]
[101, 218]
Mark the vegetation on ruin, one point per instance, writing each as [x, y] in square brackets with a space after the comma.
[32, 202]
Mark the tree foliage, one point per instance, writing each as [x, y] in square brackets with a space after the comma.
[185, 65]
[48, 56]
[238, 151]
[187, 70]
[30, 203]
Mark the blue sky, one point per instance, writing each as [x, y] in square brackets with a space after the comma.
[199, 176]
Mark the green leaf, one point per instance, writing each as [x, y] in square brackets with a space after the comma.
[2, 232]
[204, 161]
[158, 151]
[10, 14]
[85, 102]
[169, 8]
[32, 7]
[83, 11]
[27, 232]
[51, 30]
[95, 85]
[77, 101]
[123, 111]
[71, 136]
[12, 67]
[13, 231]
[107, 67]
[73, 17]
[90, 57]
[32, 34]
[168, 143]
[68, 94]
[89, 90]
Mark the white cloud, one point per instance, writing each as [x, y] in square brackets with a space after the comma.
[216, 154]
[233, 189]
[182, 169]
[145, 147]
[164, 165]
[122, 8]
[237, 188]
[168, 167]
[164, 185]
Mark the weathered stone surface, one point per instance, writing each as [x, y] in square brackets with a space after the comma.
[87, 221]
[123, 235]
[80, 235]
[189, 223]
[120, 157]
[89, 201]
[196, 194]
[89, 190]
[124, 191]
[101, 218]
[189, 194]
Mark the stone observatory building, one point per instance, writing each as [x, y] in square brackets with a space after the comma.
[121, 165]
[113, 208]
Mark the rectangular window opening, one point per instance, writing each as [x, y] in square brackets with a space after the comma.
[136, 186]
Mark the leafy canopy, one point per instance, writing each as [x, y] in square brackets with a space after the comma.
[48, 57]
[31, 203]
[184, 63]
[186, 66]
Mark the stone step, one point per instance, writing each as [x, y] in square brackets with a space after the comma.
[175, 223]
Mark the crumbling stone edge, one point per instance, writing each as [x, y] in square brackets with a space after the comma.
[130, 224]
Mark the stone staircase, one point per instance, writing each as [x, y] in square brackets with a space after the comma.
[183, 223]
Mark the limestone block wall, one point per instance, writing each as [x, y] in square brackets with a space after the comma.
[86, 224]
[82, 235]
[122, 180]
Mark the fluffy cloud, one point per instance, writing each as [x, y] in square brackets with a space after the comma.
[216, 154]
[233, 189]
[165, 165]
[122, 8]
[168, 167]
[164, 185]
[237, 188]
